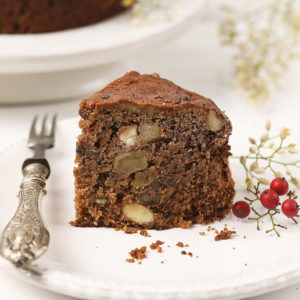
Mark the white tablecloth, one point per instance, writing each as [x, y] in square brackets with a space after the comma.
[197, 62]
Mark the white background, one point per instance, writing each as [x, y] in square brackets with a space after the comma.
[197, 62]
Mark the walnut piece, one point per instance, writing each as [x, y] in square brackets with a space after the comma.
[129, 107]
[137, 213]
[101, 201]
[128, 135]
[150, 132]
[150, 111]
[142, 179]
[214, 123]
[146, 198]
[155, 186]
[130, 162]
[173, 180]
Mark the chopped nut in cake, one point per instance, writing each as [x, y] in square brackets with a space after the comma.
[128, 135]
[137, 213]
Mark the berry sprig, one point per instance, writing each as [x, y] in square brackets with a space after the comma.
[270, 200]
[265, 157]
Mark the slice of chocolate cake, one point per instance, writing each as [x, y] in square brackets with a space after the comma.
[151, 155]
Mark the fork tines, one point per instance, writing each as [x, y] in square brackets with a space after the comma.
[46, 135]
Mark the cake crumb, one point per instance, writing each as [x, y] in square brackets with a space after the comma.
[202, 233]
[233, 248]
[145, 233]
[197, 256]
[155, 245]
[244, 237]
[137, 254]
[159, 249]
[225, 234]
[190, 254]
[186, 245]
[169, 246]
[129, 230]
[180, 244]
[162, 262]
[183, 252]
[209, 228]
[245, 265]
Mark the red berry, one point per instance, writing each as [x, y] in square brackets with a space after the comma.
[269, 199]
[290, 208]
[241, 209]
[280, 186]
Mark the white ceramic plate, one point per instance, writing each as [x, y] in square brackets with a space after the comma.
[90, 263]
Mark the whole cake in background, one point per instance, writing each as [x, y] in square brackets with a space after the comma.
[33, 16]
[151, 155]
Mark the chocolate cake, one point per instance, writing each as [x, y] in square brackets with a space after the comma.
[32, 16]
[151, 155]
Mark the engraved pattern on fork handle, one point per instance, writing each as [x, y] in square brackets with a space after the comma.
[26, 238]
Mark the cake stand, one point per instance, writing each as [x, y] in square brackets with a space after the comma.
[74, 63]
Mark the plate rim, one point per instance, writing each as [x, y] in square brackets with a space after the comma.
[75, 288]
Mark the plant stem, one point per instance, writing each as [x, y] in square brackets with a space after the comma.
[273, 224]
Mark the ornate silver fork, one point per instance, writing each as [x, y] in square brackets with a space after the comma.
[26, 238]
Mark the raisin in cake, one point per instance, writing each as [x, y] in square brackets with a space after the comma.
[32, 16]
[151, 155]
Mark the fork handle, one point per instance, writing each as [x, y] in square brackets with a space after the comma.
[26, 238]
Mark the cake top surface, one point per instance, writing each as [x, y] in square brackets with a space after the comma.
[148, 90]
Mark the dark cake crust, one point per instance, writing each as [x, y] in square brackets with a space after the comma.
[179, 177]
[33, 16]
[146, 90]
